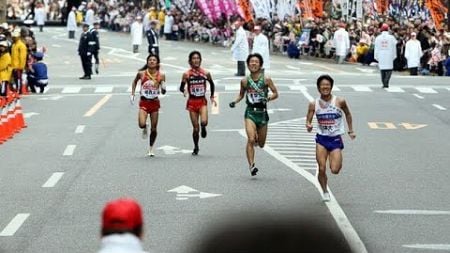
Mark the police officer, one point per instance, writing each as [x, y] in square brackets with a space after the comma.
[152, 38]
[95, 43]
[85, 51]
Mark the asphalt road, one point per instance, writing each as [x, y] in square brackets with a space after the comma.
[82, 147]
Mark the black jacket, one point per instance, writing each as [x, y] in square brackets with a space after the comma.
[95, 42]
[152, 38]
[84, 46]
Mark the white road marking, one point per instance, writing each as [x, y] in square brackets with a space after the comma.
[426, 90]
[362, 88]
[428, 246]
[53, 180]
[80, 129]
[29, 114]
[297, 88]
[418, 96]
[14, 224]
[104, 89]
[233, 87]
[414, 212]
[440, 107]
[71, 90]
[56, 45]
[171, 88]
[394, 89]
[69, 150]
[307, 95]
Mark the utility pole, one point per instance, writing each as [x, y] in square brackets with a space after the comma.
[2, 11]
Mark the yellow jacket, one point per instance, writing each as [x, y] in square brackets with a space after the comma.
[152, 15]
[5, 67]
[161, 17]
[362, 49]
[19, 55]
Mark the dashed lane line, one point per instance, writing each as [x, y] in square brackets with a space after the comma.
[14, 224]
[440, 107]
[80, 129]
[70, 149]
[97, 106]
[53, 180]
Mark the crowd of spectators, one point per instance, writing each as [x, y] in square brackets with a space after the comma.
[292, 36]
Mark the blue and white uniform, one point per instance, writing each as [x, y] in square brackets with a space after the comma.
[330, 125]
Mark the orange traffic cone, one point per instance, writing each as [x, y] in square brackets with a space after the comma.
[20, 121]
[2, 121]
[24, 88]
[11, 120]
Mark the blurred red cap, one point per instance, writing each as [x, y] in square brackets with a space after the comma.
[122, 214]
[384, 27]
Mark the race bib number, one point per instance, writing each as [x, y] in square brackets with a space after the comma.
[197, 90]
[149, 90]
[254, 97]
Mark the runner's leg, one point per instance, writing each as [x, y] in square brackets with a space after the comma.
[336, 161]
[321, 157]
[262, 135]
[195, 130]
[142, 121]
[203, 120]
[251, 131]
[153, 132]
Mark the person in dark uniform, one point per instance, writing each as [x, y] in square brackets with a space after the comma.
[152, 38]
[95, 43]
[85, 51]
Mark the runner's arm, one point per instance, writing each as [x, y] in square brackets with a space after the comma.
[163, 83]
[309, 116]
[134, 83]
[211, 84]
[272, 88]
[348, 118]
[183, 83]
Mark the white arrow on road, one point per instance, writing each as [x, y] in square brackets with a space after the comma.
[30, 114]
[202, 195]
[51, 98]
[170, 150]
[271, 111]
[183, 189]
[184, 193]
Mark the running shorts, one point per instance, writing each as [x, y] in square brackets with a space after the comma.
[259, 116]
[149, 105]
[195, 104]
[330, 143]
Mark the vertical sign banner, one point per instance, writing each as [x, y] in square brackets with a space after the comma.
[344, 9]
[245, 9]
[359, 9]
[437, 11]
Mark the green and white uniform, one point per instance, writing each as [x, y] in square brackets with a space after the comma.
[256, 99]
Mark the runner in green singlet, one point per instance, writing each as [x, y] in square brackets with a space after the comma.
[255, 88]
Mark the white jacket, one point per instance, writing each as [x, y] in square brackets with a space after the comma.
[385, 51]
[71, 21]
[341, 42]
[240, 46]
[121, 243]
[40, 16]
[137, 32]
[413, 53]
[89, 18]
[261, 46]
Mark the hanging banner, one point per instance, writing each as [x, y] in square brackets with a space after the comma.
[168, 4]
[359, 9]
[345, 9]
[183, 5]
[317, 8]
[245, 9]
[437, 11]
[204, 8]
[306, 9]
[261, 8]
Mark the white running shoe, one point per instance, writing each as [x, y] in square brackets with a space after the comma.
[326, 197]
[144, 133]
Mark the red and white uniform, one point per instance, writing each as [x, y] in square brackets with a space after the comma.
[196, 85]
[150, 89]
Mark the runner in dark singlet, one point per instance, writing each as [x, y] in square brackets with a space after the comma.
[255, 88]
[195, 79]
[152, 82]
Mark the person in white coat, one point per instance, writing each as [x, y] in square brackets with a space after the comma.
[240, 48]
[261, 46]
[90, 16]
[40, 16]
[122, 227]
[72, 23]
[342, 43]
[168, 23]
[137, 32]
[413, 53]
[385, 53]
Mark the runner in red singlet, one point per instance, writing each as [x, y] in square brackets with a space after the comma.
[195, 79]
[152, 82]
